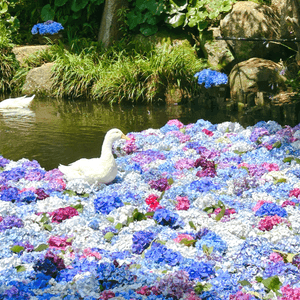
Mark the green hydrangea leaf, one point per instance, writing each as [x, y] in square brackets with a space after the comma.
[109, 236]
[17, 248]
[20, 268]
[41, 247]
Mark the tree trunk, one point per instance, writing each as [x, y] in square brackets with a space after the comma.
[109, 27]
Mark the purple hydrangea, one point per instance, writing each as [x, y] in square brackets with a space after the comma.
[10, 222]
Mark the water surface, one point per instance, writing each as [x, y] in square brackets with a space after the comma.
[57, 132]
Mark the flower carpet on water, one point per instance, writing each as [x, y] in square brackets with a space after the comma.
[197, 211]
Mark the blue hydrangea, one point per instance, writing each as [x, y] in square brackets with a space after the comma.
[200, 270]
[211, 239]
[160, 254]
[49, 27]
[203, 185]
[10, 194]
[211, 78]
[166, 217]
[141, 240]
[106, 204]
[271, 209]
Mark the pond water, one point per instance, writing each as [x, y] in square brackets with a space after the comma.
[57, 132]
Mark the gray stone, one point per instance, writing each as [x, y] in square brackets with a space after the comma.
[38, 80]
[23, 52]
[217, 52]
[251, 20]
[253, 81]
[110, 24]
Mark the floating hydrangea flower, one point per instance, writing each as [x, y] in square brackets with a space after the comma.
[61, 214]
[160, 184]
[58, 242]
[141, 240]
[271, 209]
[106, 204]
[267, 223]
[183, 203]
[10, 222]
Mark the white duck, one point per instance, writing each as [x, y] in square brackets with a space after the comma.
[20, 102]
[96, 170]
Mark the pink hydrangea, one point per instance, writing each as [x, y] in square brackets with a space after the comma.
[176, 123]
[130, 145]
[151, 200]
[192, 296]
[267, 223]
[89, 253]
[295, 193]
[28, 189]
[288, 202]
[182, 236]
[183, 203]
[270, 167]
[58, 242]
[243, 165]
[207, 132]
[1, 219]
[62, 214]
[290, 293]
[259, 204]
[105, 295]
[275, 257]
[184, 163]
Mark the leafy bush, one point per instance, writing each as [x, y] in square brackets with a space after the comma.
[145, 15]
[199, 13]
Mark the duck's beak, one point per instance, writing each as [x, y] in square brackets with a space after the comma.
[125, 137]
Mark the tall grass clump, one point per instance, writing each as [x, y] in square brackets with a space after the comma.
[75, 74]
[8, 62]
[127, 75]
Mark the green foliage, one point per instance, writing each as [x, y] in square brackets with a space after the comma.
[196, 13]
[146, 15]
[11, 23]
[80, 18]
[8, 62]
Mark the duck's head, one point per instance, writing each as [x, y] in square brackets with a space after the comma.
[116, 134]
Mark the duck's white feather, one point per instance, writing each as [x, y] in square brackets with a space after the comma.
[96, 170]
[19, 102]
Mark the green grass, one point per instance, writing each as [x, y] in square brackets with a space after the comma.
[127, 75]
[8, 63]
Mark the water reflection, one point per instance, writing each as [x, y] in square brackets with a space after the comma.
[56, 131]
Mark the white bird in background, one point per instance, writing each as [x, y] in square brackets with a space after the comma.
[96, 170]
[20, 102]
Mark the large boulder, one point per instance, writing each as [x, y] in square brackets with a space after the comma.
[38, 80]
[251, 20]
[254, 80]
[22, 52]
[217, 52]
